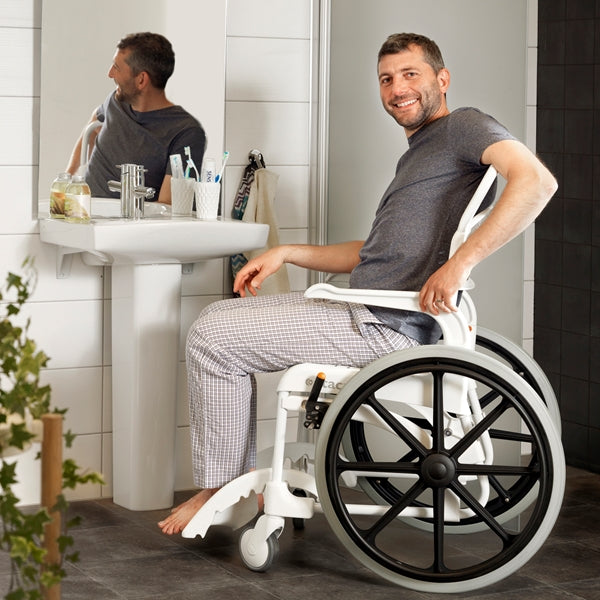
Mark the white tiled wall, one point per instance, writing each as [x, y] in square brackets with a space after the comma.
[267, 95]
[267, 108]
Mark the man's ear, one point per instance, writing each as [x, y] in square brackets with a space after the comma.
[443, 78]
[142, 80]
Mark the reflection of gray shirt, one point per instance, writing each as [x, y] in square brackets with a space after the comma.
[142, 138]
[420, 211]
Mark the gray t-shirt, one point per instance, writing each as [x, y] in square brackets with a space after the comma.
[142, 138]
[420, 211]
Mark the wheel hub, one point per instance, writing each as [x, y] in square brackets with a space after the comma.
[438, 470]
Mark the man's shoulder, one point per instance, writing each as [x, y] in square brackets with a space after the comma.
[474, 119]
[468, 113]
[179, 114]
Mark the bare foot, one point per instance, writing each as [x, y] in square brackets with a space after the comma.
[181, 515]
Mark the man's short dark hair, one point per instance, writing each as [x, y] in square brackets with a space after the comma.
[152, 53]
[399, 42]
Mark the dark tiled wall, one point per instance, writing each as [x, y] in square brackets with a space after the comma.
[567, 264]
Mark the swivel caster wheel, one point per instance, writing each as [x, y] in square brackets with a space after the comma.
[258, 555]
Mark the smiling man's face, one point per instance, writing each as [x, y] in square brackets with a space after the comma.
[121, 73]
[411, 91]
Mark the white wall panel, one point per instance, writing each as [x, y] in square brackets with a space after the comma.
[84, 283]
[80, 392]
[16, 204]
[267, 70]
[20, 124]
[269, 18]
[18, 49]
[278, 130]
[70, 333]
[206, 278]
[20, 13]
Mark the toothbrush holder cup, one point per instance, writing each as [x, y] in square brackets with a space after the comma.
[182, 196]
[208, 194]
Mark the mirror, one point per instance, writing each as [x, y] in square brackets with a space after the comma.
[78, 42]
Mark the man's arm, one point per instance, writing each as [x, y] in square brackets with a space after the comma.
[529, 187]
[75, 158]
[335, 258]
[164, 194]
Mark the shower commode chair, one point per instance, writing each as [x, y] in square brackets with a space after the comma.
[440, 468]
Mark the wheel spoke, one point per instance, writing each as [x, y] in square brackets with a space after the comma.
[488, 398]
[375, 467]
[473, 434]
[396, 426]
[438, 412]
[484, 514]
[526, 471]
[511, 436]
[404, 501]
[438, 531]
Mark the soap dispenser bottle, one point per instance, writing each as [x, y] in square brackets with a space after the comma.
[78, 201]
[57, 195]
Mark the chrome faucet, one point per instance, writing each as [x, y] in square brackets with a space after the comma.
[133, 191]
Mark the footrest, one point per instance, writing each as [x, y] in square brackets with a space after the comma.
[233, 505]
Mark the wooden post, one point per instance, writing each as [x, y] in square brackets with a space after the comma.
[51, 489]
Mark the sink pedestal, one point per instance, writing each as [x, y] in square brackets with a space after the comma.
[146, 310]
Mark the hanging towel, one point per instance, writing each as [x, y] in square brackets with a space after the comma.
[259, 209]
[240, 202]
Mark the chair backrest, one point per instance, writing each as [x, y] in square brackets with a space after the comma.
[85, 142]
[471, 219]
[458, 327]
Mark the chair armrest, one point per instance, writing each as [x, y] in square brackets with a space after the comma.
[384, 298]
[455, 329]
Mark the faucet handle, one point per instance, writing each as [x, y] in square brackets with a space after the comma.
[147, 192]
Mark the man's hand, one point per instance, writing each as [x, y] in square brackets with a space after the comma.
[256, 270]
[439, 292]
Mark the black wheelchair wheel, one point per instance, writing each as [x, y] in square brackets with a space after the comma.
[508, 501]
[441, 470]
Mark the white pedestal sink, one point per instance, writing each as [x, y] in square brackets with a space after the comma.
[146, 258]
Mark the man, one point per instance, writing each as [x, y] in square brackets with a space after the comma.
[140, 125]
[407, 248]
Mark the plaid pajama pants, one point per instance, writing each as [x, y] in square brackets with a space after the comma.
[233, 339]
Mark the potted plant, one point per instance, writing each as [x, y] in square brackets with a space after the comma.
[23, 404]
